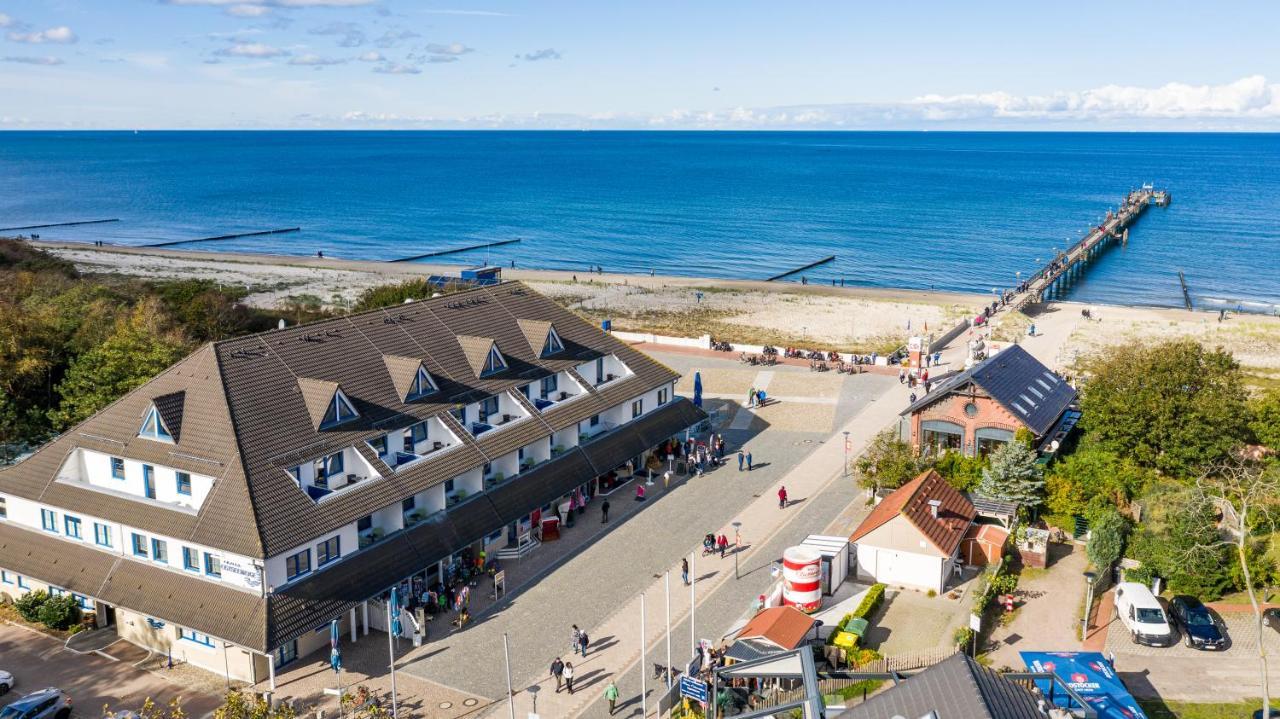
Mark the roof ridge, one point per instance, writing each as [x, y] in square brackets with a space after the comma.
[239, 456]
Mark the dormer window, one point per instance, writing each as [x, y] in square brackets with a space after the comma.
[153, 427]
[553, 344]
[422, 384]
[339, 411]
[494, 362]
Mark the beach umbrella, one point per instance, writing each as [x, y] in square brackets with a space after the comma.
[335, 652]
[394, 608]
[697, 389]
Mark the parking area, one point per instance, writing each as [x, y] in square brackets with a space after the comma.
[1180, 673]
[92, 680]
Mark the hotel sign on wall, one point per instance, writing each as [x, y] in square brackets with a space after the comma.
[241, 573]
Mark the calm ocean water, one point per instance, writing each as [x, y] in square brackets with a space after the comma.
[958, 211]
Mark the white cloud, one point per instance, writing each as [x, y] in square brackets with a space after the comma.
[395, 68]
[547, 54]
[391, 38]
[61, 35]
[272, 3]
[454, 48]
[352, 34]
[28, 60]
[371, 56]
[6, 20]
[313, 60]
[251, 49]
[480, 13]
[248, 10]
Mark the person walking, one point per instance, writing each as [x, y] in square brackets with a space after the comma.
[902, 375]
[568, 677]
[557, 671]
[748, 460]
[684, 570]
[782, 498]
[751, 397]
[577, 637]
[723, 544]
[740, 460]
[611, 695]
[584, 641]
[604, 511]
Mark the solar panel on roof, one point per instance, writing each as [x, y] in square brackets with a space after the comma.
[1044, 384]
[1027, 399]
[1036, 392]
[1019, 408]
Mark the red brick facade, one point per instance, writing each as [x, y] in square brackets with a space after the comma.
[954, 409]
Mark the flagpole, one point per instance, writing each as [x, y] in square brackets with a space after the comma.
[391, 648]
[511, 695]
[667, 587]
[693, 633]
[644, 684]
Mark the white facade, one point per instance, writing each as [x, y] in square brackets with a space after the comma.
[898, 554]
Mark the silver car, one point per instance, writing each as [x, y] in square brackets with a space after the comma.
[51, 703]
[6, 682]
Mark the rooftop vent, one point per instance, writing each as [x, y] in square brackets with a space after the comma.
[933, 507]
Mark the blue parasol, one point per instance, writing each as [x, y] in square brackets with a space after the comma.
[395, 612]
[697, 389]
[335, 652]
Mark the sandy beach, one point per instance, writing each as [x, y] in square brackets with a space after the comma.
[847, 318]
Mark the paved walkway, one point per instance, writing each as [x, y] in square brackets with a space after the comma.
[761, 519]
[1049, 618]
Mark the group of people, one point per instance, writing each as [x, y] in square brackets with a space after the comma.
[712, 544]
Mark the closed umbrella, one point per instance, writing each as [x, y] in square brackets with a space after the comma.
[697, 389]
[335, 652]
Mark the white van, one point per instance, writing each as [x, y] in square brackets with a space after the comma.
[1142, 615]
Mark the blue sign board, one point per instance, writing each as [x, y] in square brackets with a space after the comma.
[1090, 675]
[694, 689]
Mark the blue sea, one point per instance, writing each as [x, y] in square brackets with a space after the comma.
[954, 211]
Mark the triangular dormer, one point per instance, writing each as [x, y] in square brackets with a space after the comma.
[543, 339]
[153, 426]
[326, 403]
[482, 355]
[411, 379]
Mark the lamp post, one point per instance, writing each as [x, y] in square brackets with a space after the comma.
[846, 454]
[737, 544]
[1089, 578]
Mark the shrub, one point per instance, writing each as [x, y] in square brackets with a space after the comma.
[931, 593]
[1106, 539]
[59, 612]
[962, 637]
[29, 604]
[870, 603]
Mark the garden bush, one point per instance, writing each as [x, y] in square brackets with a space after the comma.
[29, 604]
[870, 603]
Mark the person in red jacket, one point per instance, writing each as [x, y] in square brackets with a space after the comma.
[782, 498]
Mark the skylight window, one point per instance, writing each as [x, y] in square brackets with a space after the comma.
[494, 362]
[340, 410]
[553, 344]
[153, 427]
[422, 384]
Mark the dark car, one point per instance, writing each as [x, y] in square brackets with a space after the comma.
[1199, 628]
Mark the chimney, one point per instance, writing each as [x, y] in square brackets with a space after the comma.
[933, 507]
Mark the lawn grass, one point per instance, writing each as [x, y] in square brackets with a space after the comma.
[1160, 709]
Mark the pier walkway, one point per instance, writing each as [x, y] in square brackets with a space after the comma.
[1069, 265]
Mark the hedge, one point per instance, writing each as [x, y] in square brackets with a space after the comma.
[870, 603]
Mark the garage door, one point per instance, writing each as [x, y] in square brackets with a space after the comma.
[909, 570]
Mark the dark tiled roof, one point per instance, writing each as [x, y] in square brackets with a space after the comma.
[169, 407]
[956, 688]
[1018, 381]
[911, 500]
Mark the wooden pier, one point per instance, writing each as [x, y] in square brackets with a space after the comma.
[788, 273]
[59, 224]
[442, 253]
[225, 237]
[1066, 268]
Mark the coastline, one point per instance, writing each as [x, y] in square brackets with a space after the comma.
[854, 319]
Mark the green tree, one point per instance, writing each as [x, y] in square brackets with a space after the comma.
[1173, 406]
[1187, 550]
[963, 473]
[888, 463]
[1013, 475]
[394, 294]
[151, 710]
[29, 604]
[1264, 419]
[59, 612]
[141, 345]
[238, 705]
[1092, 480]
[1106, 539]
[205, 309]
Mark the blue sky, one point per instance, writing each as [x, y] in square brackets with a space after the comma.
[656, 64]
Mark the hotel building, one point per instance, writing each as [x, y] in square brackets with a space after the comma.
[226, 511]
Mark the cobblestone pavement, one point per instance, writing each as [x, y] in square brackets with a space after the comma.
[1049, 618]
[592, 585]
[1180, 673]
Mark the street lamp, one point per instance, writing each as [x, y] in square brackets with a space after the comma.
[1089, 578]
[846, 454]
[737, 544]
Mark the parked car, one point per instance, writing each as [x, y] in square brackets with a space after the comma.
[1142, 615]
[51, 703]
[1271, 618]
[1200, 630]
[6, 682]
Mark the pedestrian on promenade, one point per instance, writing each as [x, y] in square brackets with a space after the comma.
[604, 506]
[723, 544]
[577, 639]
[902, 375]
[557, 671]
[611, 694]
[684, 571]
[583, 642]
[741, 457]
[751, 397]
[748, 460]
[913, 398]
[782, 498]
[720, 448]
[568, 677]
